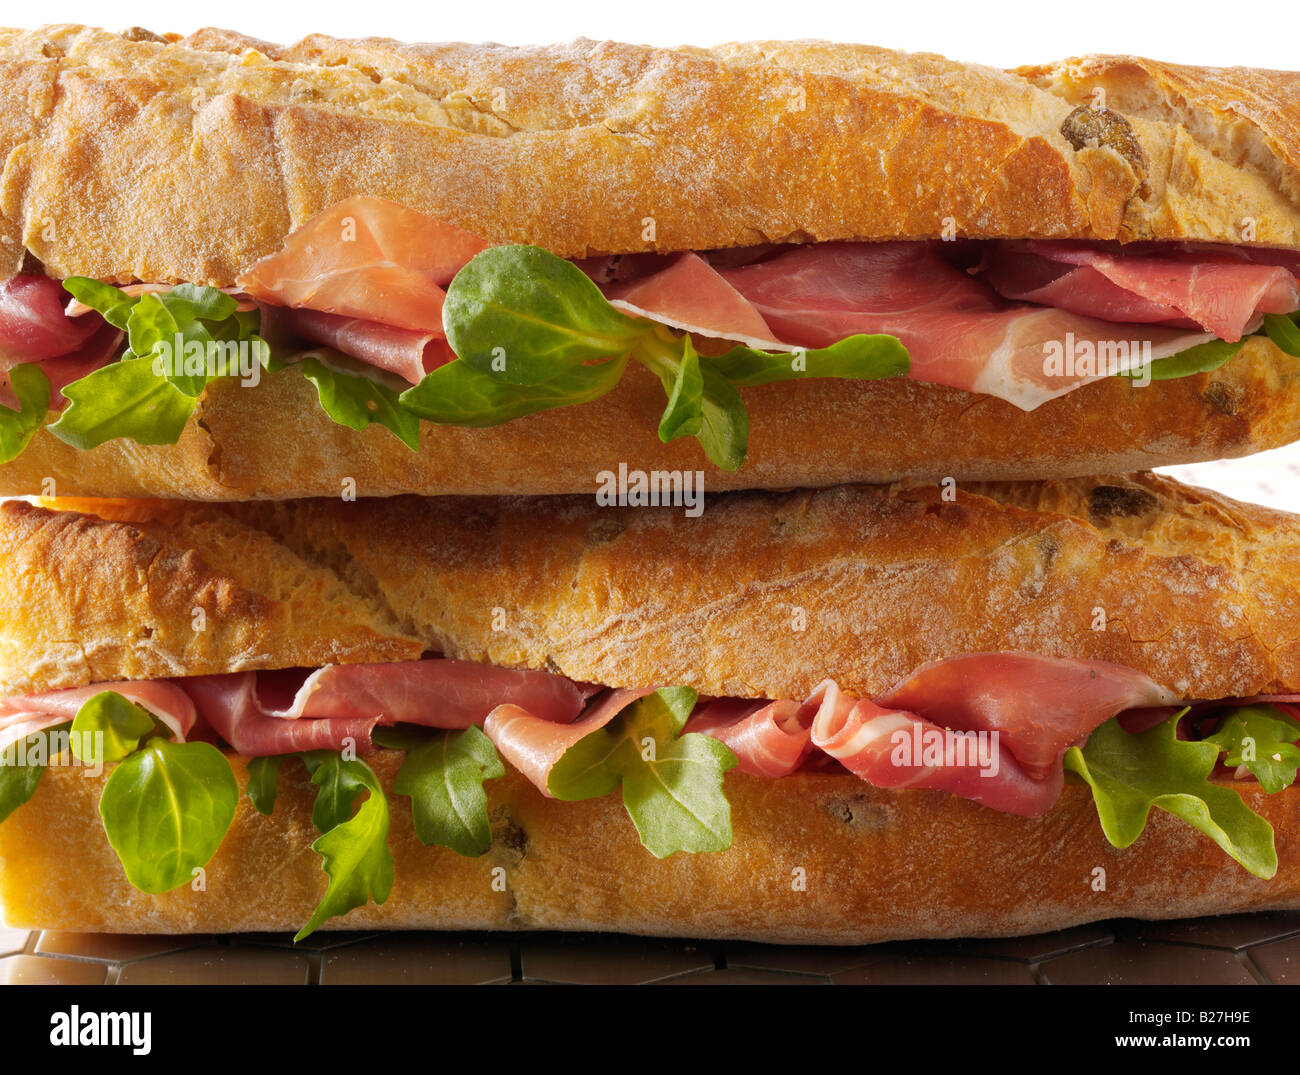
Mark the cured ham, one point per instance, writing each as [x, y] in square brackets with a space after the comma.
[21, 715]
[229, 705]
[989, 727]
[437, 693]
[533, 745]
[368, 259]
[408, 353]
[890, 748]
[957, 331]
[770, 739]
[1215, 291]
[33, 323]
[1038, 705]
[692, 296]
[344, 703]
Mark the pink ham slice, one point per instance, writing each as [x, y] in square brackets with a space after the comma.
[957, 331]
[345, 702]
[230, 707]
[366, 258]
[770, 739]
[692, 296]
[1216, 291]
[436, 693]
[1038, 705]
[33, 324]
[886, 748]
[21, 715]
[408, 353]
[533, 745]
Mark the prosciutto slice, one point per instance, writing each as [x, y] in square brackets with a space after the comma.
[1038, 705]
[366, 258]
[341, 703]
[1218, 292]
[230, 706]
[533, 745]
[770, 739]
[33, 324]
[409, 353]
[21, 715]
[693, 296]
[957, 330]
[437, 693]
[890, 748]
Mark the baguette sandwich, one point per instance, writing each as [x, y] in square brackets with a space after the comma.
[236, 270]
[840, 716]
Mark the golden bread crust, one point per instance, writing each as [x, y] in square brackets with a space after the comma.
[867, 858]
[764, 595]
[186, 160]
[274, 441]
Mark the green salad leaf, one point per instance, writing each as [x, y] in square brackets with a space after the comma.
[353, 846]
[123, 399]
[1262, 738]
[1131, 774]
[671, 783]
[356, 395]
[534, 332]
[17, 427]
[166, 809]
[523, 316]
[443, 775]
[140, 396]
[1203, 358]
[262, 776]
[120, 722]
[458, 394]
[23, 764]
[854, 358]
[1284, 332]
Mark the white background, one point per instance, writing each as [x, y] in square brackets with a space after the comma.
[1250, 32]
[1223, 32]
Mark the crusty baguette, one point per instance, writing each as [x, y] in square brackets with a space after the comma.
[185, 160]
[876, 865]
[135, 157]
[762, 596]
[274, 441]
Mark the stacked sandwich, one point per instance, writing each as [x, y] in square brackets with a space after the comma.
[600, 487]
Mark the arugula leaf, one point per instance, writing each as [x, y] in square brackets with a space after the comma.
[520, 317]
[858, 358]
[684, 383]
[1130, 774]
[525, 315]
[457, 394]
[123, 399]
[17, 427]
[261, 789]
[120, 721]
[153, 326]
[1203, 358]
[130, 398]
[356, 395]
[166, 810]
[1283, 331]
[701, 402]
[18, 782]
[672, 783]
[444, 779]
[1262, 738]
[354, 847]
[113, 304]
